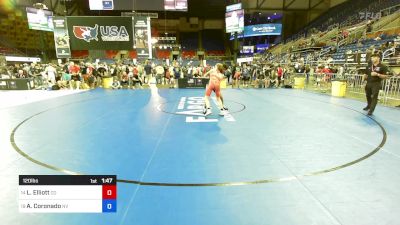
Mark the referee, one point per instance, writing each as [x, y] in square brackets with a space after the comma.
[374, 74]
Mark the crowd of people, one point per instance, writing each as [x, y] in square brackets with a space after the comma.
[266, 72]
[81, 75]
[77, 75]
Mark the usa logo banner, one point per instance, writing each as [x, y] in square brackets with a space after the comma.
[101, 32]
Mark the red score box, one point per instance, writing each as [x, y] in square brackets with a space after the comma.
[109, 192]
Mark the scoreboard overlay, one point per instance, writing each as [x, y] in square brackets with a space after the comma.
[67, 193]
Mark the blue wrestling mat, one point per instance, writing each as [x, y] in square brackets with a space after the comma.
[281, 157]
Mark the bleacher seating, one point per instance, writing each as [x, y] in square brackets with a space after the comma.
[188, 54]
[78, 54]
[345, 14]
[15, 33]
[215, 53]
[163, 54]
[340, 55]
[386, 28]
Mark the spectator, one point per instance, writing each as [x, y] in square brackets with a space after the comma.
[74, 70]
[136, 80]
[147, 70]
[124, 80]
[236, 77]
[171, 77]
[63, 83]
[159, 74]
[369, 27]
[228, 75]
[246, 75]
[279, 73]
[261, 80]
[51, 74]
[21, 74]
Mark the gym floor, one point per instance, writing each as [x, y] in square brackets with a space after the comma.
[282, 157]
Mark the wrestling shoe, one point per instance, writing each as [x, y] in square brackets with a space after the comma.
[207, 112]
[223, 112]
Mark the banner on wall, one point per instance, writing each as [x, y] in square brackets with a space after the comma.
[273, 29]
[100, 32]
[263, 29]
[351, 58]
[247, 50]
[363, 57]
[61, 37]
[142, 41]
[262, 48]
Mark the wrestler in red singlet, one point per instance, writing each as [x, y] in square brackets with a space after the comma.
[214, 85]
[216, 76]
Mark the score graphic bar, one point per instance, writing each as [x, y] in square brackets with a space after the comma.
[67, 193]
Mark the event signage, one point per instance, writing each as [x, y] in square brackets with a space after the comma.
[351, 58]
[192, 82]
[262, 47]
[363, 57]
[260, 30]
[263, 29]
[245, 60]
[61, 37]
[247, 50]
[152, 15]
[142, 41]
[191, 108]
[100, 32]
[358, 58]
[22, 59]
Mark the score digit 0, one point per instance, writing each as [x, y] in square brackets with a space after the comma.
[109, 192]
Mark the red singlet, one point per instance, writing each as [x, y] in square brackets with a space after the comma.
[214, 84]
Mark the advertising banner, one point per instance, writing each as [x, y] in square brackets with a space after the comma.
[351, 58]
[61, 37]
[245, 60]
[262, 47]
[192, 82]
[247, 49]
[363, 57]
[259, 30]
[100, 32]
[142, 41]
[263, 29]
[22, 59]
